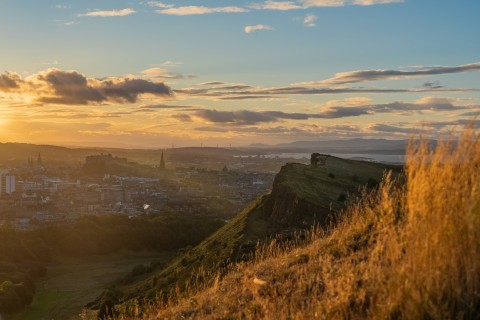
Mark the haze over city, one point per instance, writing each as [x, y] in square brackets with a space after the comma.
[150, 74]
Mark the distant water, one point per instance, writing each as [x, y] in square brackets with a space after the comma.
[386, 158]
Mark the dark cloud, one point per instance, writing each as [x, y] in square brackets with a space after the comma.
[432, 85]
[471, 114]
[69, 87]
[73, 88]
[160, 73]
[212, 83]
[374, 75]
[164, 106]
[182, 117]
[246, 97]
[233, 87]
[380, 127]
[342, 112]
[246, 117]
[243, 117]
[256, 93]
[428, 127]
[128, 90]
[9, 81]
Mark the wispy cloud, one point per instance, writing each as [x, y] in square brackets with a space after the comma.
[374, 2]
[339, 3]
[257, 27]
[332, 110]
[309, 20]
[52, 63]
[323, 3]
[198, 10]
[160, 73]
[111, 13]
[305, 4]
[66, 23]
[276, 5]
[160, 4]
[242, 92]
[62, 6]
[375, 75]
[170, 63]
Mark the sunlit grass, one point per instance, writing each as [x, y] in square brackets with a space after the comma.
[409, 251]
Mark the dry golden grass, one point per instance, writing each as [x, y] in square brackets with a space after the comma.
[408, 251]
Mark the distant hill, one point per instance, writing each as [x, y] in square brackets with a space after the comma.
[302, 195]
[14, 153]
[378, 146]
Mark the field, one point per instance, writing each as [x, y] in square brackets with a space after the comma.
[72, 283]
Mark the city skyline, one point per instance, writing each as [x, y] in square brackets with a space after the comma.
[149, 74]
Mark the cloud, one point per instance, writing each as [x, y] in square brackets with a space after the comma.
[323, 3]
[471, 113]
[111, 13]
[340, 3]
[9, 81]
[309, 20]
[61, 6]
[432, 85]
[437, 127]
[396, 107]
[197, 10]
[212, 83]
[247, 117]
[245, 97]
[160, 4]
[380, 127]
[53, 63]
[374, 2]
[182, 117]
[65, 23]
[276, 5]
[249, 29]
[165, 106]
[219, 92]
[375, 75]
[160, 73]
[71, 87]
[170, 63]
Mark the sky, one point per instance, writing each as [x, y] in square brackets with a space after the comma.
[151, 74]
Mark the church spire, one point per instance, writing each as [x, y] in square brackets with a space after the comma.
[162, 163]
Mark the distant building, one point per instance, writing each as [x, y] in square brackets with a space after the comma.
[7, 184]
[162, 163]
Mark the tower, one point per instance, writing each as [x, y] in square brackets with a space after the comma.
[162, 163]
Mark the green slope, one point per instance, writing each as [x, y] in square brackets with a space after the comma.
[301, 195]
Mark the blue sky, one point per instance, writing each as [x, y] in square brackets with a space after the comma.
[150, 73]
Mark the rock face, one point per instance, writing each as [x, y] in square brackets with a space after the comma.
[306, 194]
[289, 206]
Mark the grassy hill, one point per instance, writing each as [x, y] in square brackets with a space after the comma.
[301, 196]
[408, 251]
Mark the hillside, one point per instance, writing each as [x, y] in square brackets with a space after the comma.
[407, 251]
[301, 196]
